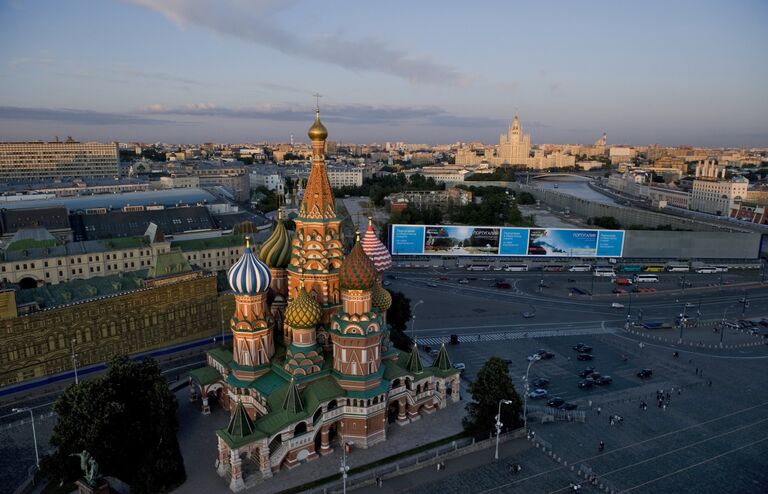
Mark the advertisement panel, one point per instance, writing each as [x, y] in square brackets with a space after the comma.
[459, 240]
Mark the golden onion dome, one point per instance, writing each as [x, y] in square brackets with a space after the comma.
[303, 311]
[317, 132]
[381, 298]
[276, 250]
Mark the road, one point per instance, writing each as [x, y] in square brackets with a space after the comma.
[478, 307]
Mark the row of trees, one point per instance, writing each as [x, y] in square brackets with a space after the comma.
[377, 188]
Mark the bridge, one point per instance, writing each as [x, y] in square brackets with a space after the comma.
[559, 176]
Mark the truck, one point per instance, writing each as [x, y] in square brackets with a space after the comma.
[622, 281]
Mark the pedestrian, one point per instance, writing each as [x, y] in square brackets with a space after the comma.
[610, 420]
[664, 407]
[599, 410]
[697, 371]
[709, 383]
[601, 446]
[442, 465]
[679, 391]
[438, 466]
[590, 404]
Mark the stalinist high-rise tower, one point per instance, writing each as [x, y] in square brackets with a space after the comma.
[514, 146]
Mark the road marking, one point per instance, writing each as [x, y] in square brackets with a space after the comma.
[696, 464]
[517, 335]
[606, 453]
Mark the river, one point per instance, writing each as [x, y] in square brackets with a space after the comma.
[574, 187]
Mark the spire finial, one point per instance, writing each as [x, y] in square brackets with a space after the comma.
[357, 236]
[279, 214]
[317, 97]
[247, 241]
[370, 221]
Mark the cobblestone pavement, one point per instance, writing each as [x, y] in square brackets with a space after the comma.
[198, 446]
[708, 439]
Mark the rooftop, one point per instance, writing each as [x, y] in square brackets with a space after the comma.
[166, 197]
[80, 290]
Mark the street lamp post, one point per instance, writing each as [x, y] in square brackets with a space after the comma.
[498, 426]
[344, 467]
[413, 319]
[744, 304]
[34, 433]
[681, 323]
[536, 358]
[74, 360]
[722, 324]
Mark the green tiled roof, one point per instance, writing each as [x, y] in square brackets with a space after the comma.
[268, 383]
[31, 243]
[221, 242]
[221, 355]
[320, 391]
[78, 290]
[240, 425]
[169, 263]
[127, 242]
[392, 370]
[292, 402]
[442, 361]
[413, 364]
[380, 389]
[205, 375]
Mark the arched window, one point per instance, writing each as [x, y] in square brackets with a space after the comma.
[300, 428]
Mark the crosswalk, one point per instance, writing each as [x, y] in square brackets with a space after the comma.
[516, 335]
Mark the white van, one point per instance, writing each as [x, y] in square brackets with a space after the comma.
[646, 278]
[580, 268]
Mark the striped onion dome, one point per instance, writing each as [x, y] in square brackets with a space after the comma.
[357, 271]
[381, 298]
[303, 311]
[276, 250]
[249, 275]
[375, 250]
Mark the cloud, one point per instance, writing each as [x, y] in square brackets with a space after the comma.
[349, 113]
[73, 116]
[254, 21]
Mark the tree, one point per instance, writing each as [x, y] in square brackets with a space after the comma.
[526, 198]
[127, 420]
[608, 222]
[398, 315]
[492, 385]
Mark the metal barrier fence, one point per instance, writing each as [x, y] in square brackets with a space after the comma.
[517, 335]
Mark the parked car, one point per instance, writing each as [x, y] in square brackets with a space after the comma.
[556, 402]
[645, 373]
[537, 393]
[540, 382]
[586, 383]
[602, 380]
[582, 348]
[464, 281]
[386, 283]
[529, 314]
[586, 372]
[542, 354]
[584, 356]
[460, 366]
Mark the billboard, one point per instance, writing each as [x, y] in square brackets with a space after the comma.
[457, 240]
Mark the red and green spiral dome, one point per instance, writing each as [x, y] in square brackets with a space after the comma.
[357, 271]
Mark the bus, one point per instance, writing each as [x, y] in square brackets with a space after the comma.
[646, 278]
[631, 268]
[721, 269]
[516, 267]
[479, 267]
[678, 268]
[552, 267]
[653, 268]
[580, 268]
[606, 271]
[706, 269]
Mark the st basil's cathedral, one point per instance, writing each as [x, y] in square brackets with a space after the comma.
[312, 366]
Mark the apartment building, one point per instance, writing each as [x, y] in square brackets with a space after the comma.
[37, 161]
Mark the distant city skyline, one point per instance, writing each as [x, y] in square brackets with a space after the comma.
[186, 71]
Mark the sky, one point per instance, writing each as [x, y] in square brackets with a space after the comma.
[186, 71]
